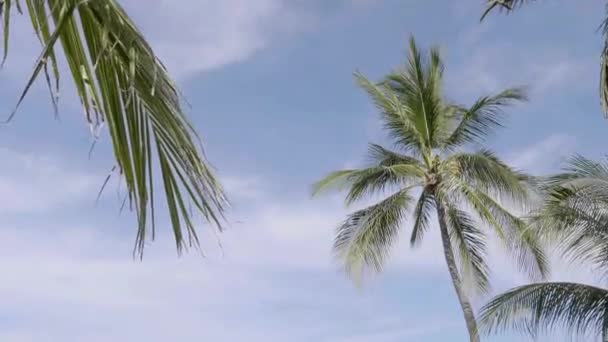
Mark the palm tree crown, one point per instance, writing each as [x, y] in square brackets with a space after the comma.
[465, 189]
[122, 84]
[575, 216]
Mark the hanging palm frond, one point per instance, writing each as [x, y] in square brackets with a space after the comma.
[123, 85]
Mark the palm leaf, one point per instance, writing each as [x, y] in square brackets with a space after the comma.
[422, 213]
[470, 246]
[476, 123]
[363, 241]
[506, 5]
[384, 157]
[372, 180]
[120, 82]
[574, 214]
[518, 237]
[418, 87]
[540, 308]
[581, 171]
[485, 171]
[394, 116]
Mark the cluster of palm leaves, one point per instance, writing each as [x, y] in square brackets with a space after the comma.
[574, 215]
[123, 86]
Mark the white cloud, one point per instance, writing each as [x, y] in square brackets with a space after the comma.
[489, 67]
[191, 36]
[242, 187]
[36, 183]
[277, 269]
[412, 331]
[544, 156]
[200, 35]
[87, 278]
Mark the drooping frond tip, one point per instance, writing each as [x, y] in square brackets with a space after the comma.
[539, 308]
[480, 120]
[604, 75]
[469, 244]
[364, 240]
[122, 84]
[506, 5]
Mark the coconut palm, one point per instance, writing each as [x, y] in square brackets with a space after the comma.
[464, 189]
[575, 216]
[510, 5]
[123, 86]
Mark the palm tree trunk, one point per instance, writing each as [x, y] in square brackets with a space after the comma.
[467, 309]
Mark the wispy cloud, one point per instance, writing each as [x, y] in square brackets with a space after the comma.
[200, 35]
[277, 268]
[545, 155]
[190, 37]
[35, 183]
[489, 66]
[401, 330]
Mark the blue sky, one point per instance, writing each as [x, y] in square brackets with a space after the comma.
[271, 88]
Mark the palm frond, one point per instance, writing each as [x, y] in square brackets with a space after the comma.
[540, 308]
[576, 197]
[422, 213]
[383, 157]
[506, 5]
[418, 87]
[470, 247]
[574, 214]
[604, 74]
[372, 180]
[483, 170]
[604, 67]
[394, 116]
[582, 171]
[583, 234]
[122, 84]
[475, 124]
[363, 241]
[518, 237]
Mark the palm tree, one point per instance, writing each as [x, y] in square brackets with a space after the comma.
[430, 134]
[510, 5]
[575, 215]
[123, 86]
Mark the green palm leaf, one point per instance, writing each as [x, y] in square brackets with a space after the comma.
[389, 169]
[384, 157]
[364, 239]
[122, 84]
[575, 212]
[485, 171]
[470, 245]
[364, 182]
[418, 86]
[422, 214]
[394, 116]
[540, 308]
[574, 216]
[518, 237]
[507, 5]
[483, 117]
